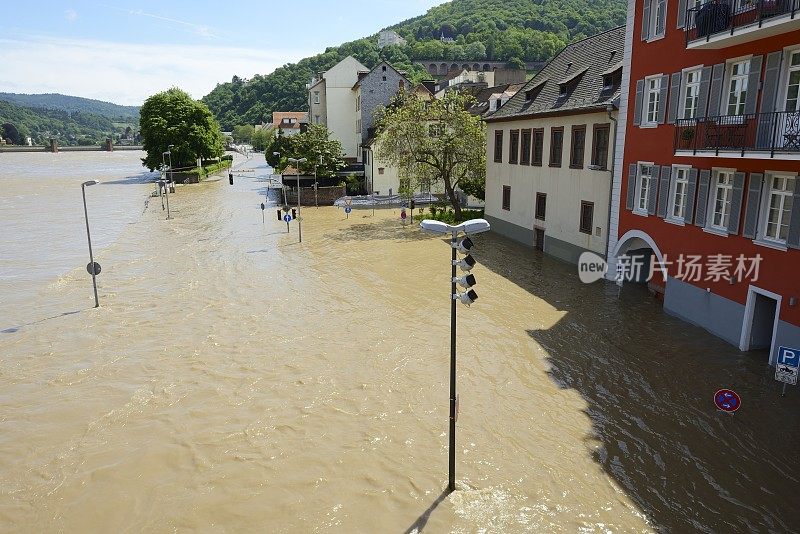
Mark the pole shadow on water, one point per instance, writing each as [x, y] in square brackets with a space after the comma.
[14, 329]
[648, 380]
[422, 520]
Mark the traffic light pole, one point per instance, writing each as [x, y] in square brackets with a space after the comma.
[451, 486]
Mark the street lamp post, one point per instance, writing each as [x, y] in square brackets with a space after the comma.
[316, 185]
[297, 163]
[283, 187]
[89, 238]
[166, 184]
[464, 245]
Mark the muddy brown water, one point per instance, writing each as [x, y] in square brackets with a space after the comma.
[236, 380]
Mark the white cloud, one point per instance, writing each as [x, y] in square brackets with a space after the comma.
[71, 15]
[127, 73]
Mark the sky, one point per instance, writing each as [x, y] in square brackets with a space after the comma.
[123, 52]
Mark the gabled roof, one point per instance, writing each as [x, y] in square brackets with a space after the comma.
[278, 116]
[580, 65]
[366, 74]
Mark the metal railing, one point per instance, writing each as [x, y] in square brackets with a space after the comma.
[720, 16]
[765, 132]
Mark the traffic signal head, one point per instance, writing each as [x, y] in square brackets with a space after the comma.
[466, 281]
[294, 213]
[465, 245]
[467, 263]
[469, 297]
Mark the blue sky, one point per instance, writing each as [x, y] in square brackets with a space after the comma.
[124, 51]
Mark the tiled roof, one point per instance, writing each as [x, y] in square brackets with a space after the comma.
[278, 116]
[362, 75]
[582, 65]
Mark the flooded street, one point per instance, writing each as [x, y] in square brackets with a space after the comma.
[236, 380]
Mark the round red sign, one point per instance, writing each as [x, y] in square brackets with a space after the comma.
[727, 400]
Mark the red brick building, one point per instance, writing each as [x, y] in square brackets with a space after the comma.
[708, 160]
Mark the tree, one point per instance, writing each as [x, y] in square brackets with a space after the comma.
[434, 142]
[243, 133]
[261, 138]
[172, 117]
[282, 146]
[319, 150]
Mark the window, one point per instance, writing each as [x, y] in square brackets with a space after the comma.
[541, 206]
[498, 146]
[563, 90]
[538, 146]
[384, 78]
[384, 68]
[358, 126]
[793, 83]
[691, 93]
[643, 189]
[600, 145]
[654, 19]
[525, 159]
[358, 103]
[381, 170]
[652, 98]
[678, 191]
[577, 147]
[737, 87]
[316, 119]
[779, 208]
[587, 217]
[556, 146]
[721, 200]
[316, 97]
[507, 197]
[513, 147]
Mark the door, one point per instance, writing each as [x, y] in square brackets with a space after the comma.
[764, 310]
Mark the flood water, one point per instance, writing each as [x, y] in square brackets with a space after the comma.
[236, 380]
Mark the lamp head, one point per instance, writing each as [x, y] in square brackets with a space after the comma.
[469, 297]
[473, 226]
[87, 183]
[436, 227]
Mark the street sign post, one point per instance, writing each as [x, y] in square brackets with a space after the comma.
[93, 268]
[288, 219]
[787, 367]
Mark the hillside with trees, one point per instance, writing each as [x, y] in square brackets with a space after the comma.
[67, 127]
[513, 31]
[59, 102]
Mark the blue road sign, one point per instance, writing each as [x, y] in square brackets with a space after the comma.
[348, 209]
[287, 218]
[790, 357]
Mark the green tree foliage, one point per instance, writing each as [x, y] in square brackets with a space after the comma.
[498, 30]
[319, 150]
[261, 138]
[172, 117]
[59, 102]
[67, 127]
[434, 142]
[243, 133]
[315, 145]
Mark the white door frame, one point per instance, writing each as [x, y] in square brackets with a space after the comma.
[749, 310]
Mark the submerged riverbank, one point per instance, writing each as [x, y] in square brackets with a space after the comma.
[236, 378]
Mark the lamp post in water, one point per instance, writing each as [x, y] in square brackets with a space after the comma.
[164, 180]
[297, 163]
[464, 245]
[93, 267]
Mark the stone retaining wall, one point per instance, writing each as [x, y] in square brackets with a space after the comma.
[326, 196]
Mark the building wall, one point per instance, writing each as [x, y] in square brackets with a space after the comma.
[779, 268]
[340, 104]
[318, 112]
[377, 89]
[565, 188]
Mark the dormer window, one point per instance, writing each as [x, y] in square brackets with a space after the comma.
[563, 90]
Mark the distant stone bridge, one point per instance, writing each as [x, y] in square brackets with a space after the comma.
[438, 67]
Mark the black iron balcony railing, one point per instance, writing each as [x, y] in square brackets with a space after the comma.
[719, 16]
[764, 132]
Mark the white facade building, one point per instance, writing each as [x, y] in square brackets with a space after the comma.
[390, 37]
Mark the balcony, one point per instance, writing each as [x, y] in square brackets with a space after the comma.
[755, 135]
[723, 23]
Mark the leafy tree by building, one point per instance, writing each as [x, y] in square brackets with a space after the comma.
[172, 117]
[243, 133]
[434, 142]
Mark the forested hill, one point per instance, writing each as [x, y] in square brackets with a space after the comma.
[513, 31]
[55, 101]
[67, 127]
